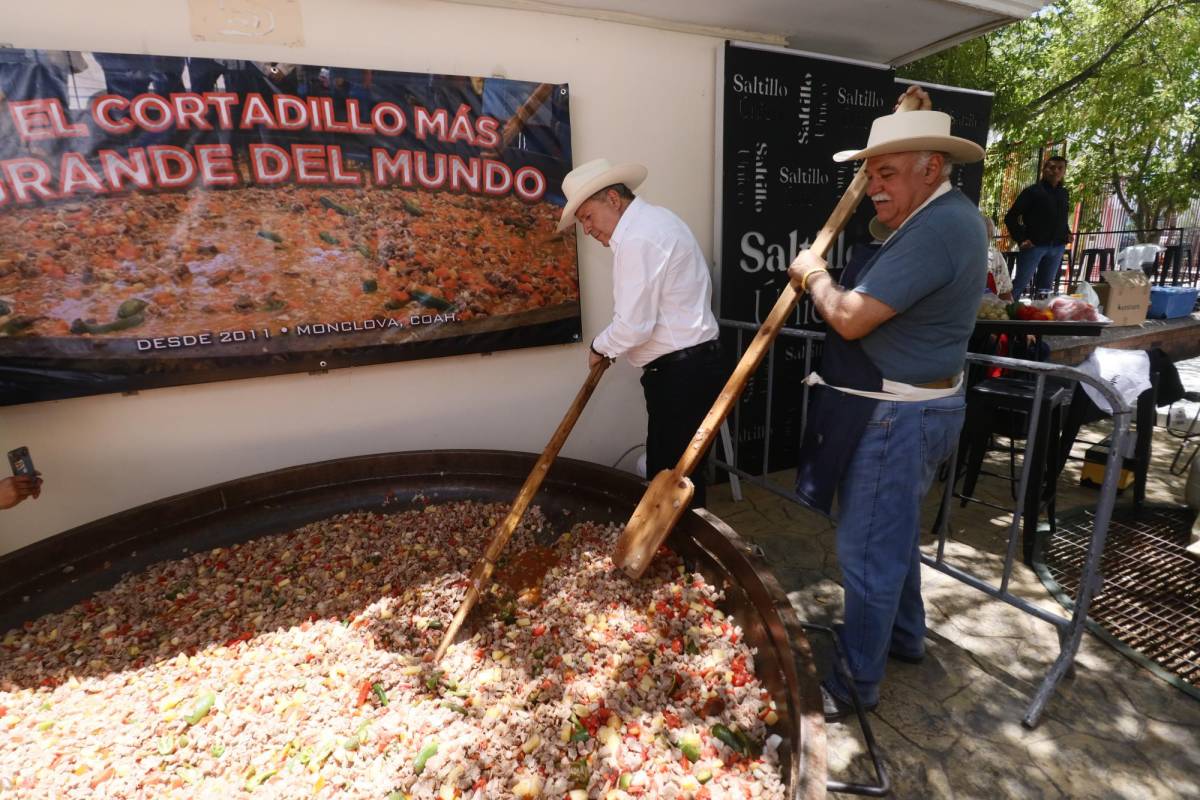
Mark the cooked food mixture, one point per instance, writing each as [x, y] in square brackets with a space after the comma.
[299, 665]
[251, 258]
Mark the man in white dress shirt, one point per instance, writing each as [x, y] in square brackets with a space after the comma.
[662, 306]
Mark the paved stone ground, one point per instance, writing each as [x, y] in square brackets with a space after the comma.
[951, 726]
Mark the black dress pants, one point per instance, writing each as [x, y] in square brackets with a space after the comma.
[679, 392]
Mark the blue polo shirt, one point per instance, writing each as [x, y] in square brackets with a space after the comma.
[932, 272]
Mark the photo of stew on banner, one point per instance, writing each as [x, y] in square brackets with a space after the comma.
[170, 220]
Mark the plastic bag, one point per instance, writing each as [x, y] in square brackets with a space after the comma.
[1087, 293]
[1072, 309]
[991, 307]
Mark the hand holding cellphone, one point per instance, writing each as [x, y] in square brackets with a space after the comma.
[21, 462]
[26, 481]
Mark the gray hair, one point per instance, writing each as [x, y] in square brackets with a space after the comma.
[923, 161]
[621, 189]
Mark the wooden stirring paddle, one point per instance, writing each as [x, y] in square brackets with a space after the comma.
[482, 573]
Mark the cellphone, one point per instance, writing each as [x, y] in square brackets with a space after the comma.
[20, 461]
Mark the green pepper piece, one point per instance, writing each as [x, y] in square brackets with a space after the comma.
[328, 203]
[364, 250]
[412, 208]
[750, 747]
[380, 694]
[201, 709]
[217, 750]
[427, 752]
[429, 300]
[690, 747]
[580, 734]
[132, 306]
[370, 286]
[274, 237]
[79, 326]
[328, 238]
[323, 751]
[254, 781]
[20, 322]
[579, 774]
[624, 781]
[727, 736]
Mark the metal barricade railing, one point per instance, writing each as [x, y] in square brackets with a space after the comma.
[1070, 629]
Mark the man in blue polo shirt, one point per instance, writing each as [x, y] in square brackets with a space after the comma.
[888, 406]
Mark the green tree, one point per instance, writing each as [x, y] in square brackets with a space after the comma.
[1117, 80]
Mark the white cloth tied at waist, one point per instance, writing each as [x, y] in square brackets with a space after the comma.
[894, 391]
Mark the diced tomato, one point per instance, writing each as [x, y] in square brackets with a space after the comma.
[102, 777]
[364, 689]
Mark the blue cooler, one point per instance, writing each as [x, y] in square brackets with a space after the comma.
[1169, 302]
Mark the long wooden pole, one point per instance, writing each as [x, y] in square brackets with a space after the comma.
[481, 575]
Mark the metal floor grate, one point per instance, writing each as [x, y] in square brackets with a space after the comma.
[1150, 599]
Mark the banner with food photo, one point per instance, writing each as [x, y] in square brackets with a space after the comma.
[168, 220]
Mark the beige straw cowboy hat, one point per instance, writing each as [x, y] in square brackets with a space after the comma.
[587, 179]
[908, 131]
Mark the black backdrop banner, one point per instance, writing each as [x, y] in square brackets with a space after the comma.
[970, 114]
[784, 116]
[168, 220]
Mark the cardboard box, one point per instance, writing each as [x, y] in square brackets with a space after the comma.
[1124, 296]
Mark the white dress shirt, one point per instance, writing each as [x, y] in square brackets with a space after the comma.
[662, 292]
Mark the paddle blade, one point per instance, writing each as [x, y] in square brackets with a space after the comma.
[664, 502]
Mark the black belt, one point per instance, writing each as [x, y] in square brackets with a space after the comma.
[711, 346]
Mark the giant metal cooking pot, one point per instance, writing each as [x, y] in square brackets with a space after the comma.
[54, 573]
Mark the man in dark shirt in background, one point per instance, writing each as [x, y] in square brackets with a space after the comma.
[1037, 222]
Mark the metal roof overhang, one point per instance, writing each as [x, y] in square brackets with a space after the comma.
[891, 32]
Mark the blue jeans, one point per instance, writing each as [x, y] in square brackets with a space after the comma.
[878, 535]
[1042, 259]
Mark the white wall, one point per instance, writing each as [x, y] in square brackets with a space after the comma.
[636, 94]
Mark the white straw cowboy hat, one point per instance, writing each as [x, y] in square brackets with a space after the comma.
[587, 179]
[908, 131]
